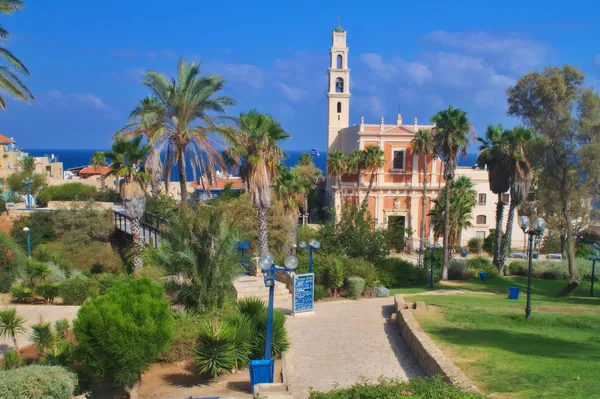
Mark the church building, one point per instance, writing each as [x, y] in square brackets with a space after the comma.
[397, 189]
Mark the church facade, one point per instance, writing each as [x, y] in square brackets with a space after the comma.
[397, 189]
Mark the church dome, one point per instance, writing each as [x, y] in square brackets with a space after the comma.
[339, 28]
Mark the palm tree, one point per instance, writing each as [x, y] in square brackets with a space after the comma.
[356, 162]
[451, 129]
[374, 158]
[288, 190]
[27, 165]
[308, 176]
[336, 167]
[146, 120]
[519, 170]
[127, 159]
[422, 144]
[43, 336]
[305, 159]
[463, 199]
[184, 112]
[11, 325]
[256, 151]
[493, 155]
[9, 78]
[98, 161]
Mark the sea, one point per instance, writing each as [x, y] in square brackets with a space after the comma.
[76, 158]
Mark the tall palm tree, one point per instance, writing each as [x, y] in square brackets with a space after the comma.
[336, 167]
[493, 155]
[422, 144]
[127, 158]
[451, 129]
[146, 120]
[519, 169]
[356, 162]
[288, 190]
[98, 161]
[11, 325]
[256, 151]
[27, 164]
[374, 158]
[9, 72]
[187, 104]
[308, 176]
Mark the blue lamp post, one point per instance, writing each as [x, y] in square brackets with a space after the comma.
[312, 245]
[536, 229]
[27, 183]
[26, 229]
[593, 258]
[261, 371]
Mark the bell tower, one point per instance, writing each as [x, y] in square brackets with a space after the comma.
[338, 95]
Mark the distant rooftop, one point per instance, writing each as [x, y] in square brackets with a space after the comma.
[5, 140]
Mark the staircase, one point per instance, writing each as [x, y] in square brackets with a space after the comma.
[250, 286]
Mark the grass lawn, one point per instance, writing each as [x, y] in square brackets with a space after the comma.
[556, 354]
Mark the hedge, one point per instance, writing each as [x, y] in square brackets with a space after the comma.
[37, 382]
[552, 270]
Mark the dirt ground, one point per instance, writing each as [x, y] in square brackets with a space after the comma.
[5, 224]
[178, 380]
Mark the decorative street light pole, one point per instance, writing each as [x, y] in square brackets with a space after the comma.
[593, 258]
[537, 229]
[27, 183]
[26, 229]
[312, 245]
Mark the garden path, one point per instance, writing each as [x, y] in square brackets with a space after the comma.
[344, 342]
[32, 315]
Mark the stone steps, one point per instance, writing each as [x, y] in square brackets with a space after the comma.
[249, 286]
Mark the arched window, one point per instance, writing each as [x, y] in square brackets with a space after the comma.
[339, 107]
[339, 85]
[481, 219]
[339, 62]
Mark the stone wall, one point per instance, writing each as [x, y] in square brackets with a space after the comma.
[431, 359]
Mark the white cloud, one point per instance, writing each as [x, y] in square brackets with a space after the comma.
[291, 93]
[511, 51]
[88, 99]
[396, 69]
[133, 75]
[246, 74]
[382, 70]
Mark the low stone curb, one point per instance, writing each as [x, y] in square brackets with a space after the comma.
[431, 358]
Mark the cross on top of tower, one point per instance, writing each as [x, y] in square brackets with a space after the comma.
[339, 28]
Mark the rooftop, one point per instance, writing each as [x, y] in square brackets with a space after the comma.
[5, 140]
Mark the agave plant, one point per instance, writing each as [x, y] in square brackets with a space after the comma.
[43, 336]
[244, 333]
[12, 360]
[280, 340]
[63, 356]
[251, 306]
[61, 327]
[216, 351]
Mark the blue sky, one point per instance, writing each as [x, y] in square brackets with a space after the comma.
[86, 59]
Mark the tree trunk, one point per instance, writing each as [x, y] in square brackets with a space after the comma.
[14, 337]
[138, 244]
[507, 237]
[358, 178]
[365, 202]
[446, 257]
[154, 178]
[573, 272]
[168, 165]
[423, 212]
[182, 174]
[263, 232]
[499, 217]
[339, 187]
[102, 183]
[133, 390]
[293, 232]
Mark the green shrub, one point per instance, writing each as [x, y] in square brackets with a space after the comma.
[2, 206]
[305, 233]
[216, 351]
[37, 382]
[107, 195]
[356, 286]
[12, 262]
[482, 264]
[21, 294]
[358, 267]
[48, 291]
[475, 245]
[95, 252]
[320, 292]
[399, 273]
[551, 244]
[583, 250]
[76, 290]
[280, 341]
[61, 327]
[438, 257]
[121, 333]
[517, 268]
[334, 275]
[11, 360]
[251, 307]
[42, 253]
[41, 228]
[458, 270]
[550, 270]
[65, 192]
[187, 328]
[417, 388]
[244, 333]
[63, 355]
[107, 280]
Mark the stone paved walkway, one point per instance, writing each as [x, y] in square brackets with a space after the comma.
[343, 342]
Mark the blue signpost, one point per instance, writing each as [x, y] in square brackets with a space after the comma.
[304, 293]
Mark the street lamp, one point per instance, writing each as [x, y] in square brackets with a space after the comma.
[312, 245]
[593, 258]
[27, 183]
[26, 229]
[535, 230]
[268, 268]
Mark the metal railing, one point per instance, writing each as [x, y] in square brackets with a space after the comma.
[149, 227]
